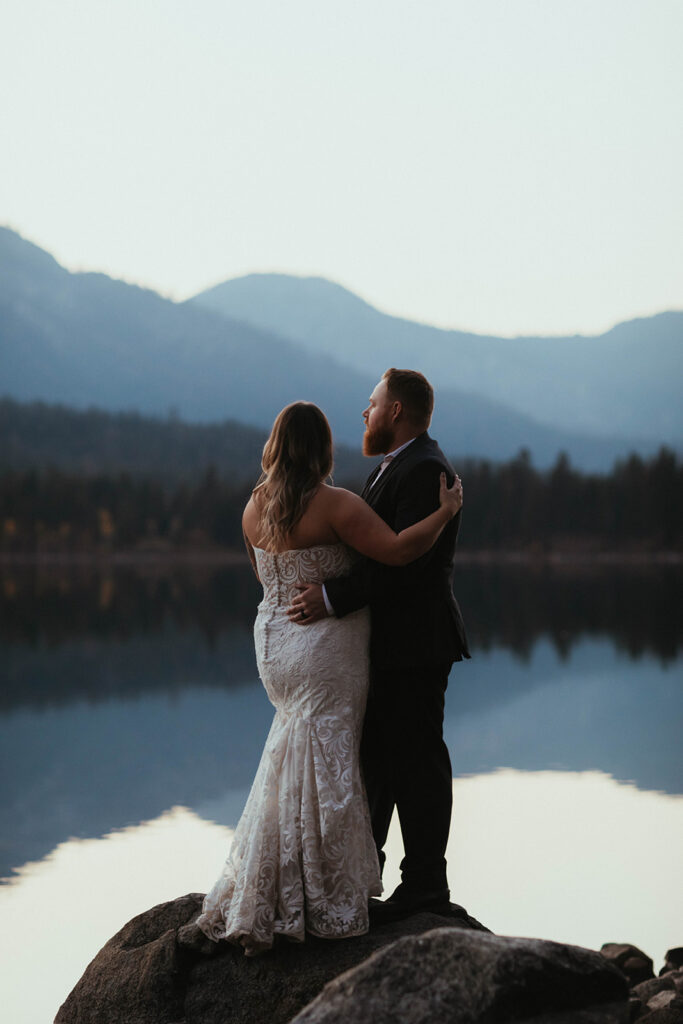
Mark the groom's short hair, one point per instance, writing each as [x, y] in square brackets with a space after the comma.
[414, 392]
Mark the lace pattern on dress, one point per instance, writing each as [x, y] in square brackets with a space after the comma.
[302, 858]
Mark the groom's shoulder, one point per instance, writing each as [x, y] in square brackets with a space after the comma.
[426, 449]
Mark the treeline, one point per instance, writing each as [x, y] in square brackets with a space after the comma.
[94, 442]
[50, 510]
[638, 505]
[510, 506]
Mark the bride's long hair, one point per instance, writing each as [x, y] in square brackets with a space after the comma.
[297, 457]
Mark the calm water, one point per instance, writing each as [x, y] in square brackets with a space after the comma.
[132, 721]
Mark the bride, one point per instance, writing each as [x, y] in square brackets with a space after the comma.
[303, 858]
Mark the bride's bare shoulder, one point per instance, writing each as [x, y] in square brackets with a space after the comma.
[250, 519]
[341, 505]
[336, 495]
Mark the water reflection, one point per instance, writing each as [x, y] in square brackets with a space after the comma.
[82, 770]
[124, 694]
[596, 710]
[509, 606]
[70, 633]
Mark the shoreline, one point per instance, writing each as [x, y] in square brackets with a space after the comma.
[222, 557]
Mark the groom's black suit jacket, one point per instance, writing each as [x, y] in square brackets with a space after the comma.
[415, 617]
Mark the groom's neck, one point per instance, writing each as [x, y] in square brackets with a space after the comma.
[403, 433]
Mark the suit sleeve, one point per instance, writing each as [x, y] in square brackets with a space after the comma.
[417, 496]
[349, 593]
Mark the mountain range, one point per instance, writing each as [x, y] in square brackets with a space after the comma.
[84, 339]
[625, 382]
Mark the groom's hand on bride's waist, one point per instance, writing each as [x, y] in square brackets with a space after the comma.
[309, 604]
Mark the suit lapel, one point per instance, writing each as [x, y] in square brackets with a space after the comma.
[369, 482]
[371, 491]
[375, 489]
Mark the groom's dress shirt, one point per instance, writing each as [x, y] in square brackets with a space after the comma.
[383, 465]
[388, 457]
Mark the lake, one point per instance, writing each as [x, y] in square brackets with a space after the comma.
[132, 722]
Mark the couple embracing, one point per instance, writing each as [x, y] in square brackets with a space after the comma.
[355, 638]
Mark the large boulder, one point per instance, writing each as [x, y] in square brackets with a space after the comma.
[673, 959]
[426, 968]
[460, 977]
[144, 976]
[631, 961]
[138, 975]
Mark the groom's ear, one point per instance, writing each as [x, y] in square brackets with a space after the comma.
[396, 410]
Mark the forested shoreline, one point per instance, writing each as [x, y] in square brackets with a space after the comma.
[509, 507]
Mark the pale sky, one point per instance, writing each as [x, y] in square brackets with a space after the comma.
[503, 166]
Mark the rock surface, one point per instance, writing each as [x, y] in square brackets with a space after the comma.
[142, 975]
[647, 989]
[668, 1015]
[673, 959]
[426, 969]
[636, 965]
[660, 1000]
[139, 975]
[463, 977]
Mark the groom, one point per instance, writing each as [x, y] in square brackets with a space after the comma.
[417, 633]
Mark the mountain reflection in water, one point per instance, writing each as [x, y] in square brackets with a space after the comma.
[126, 693]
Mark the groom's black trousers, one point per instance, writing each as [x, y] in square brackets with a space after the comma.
[405, 764]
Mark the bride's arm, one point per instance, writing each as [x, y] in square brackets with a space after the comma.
[357, 525]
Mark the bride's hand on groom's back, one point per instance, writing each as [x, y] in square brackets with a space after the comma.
[450, 497]
[309, 604]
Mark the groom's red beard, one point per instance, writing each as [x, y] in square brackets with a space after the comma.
[378, 441]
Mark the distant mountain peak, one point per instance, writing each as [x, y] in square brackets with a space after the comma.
[623, 382]
[282, 287]
[14, 246]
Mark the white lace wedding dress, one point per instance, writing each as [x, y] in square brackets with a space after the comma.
[302, 858]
